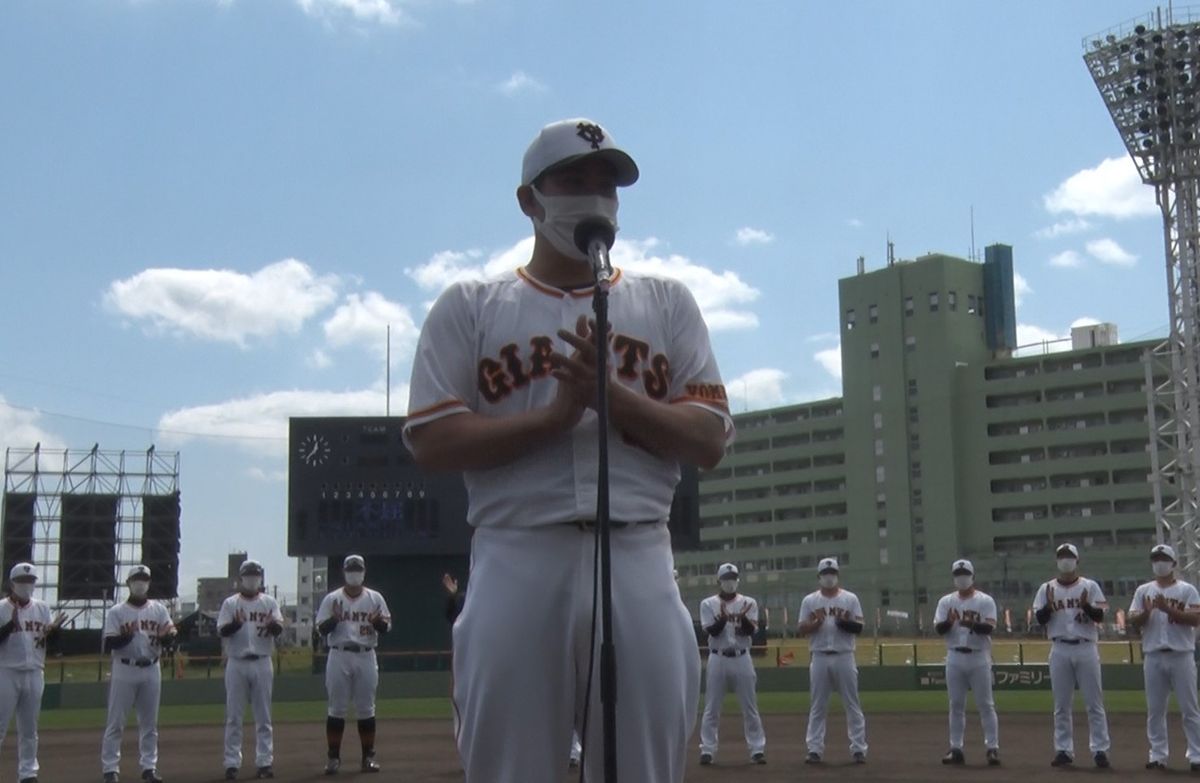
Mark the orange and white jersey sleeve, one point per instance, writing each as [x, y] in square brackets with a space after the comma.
[443, 377]
[695, 377]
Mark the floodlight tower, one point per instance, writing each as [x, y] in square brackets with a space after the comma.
[1148, 72]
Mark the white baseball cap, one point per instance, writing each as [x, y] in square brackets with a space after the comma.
[138, 570]
[566, 141]
[827, 564]
[727, 570]
[1163, 549]
[1069, 549]
[962, 565]
[23, 570]
[354, 563]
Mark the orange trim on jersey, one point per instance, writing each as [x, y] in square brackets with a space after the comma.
[702, 401]
[558, 293]
[582, 292]
[441, 406]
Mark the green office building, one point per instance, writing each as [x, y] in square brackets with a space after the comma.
[944, 445]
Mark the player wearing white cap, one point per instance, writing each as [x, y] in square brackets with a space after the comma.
[1167, 611]
[351, 619]
[504, 389]
[136, 631]
[730, 621]
[249, 622]
[966, 619]
[25, 625]
[833, 619]
[1071, 607]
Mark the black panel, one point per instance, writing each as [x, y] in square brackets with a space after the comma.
[87, 547]
[685, 511]
[18, 529]
[160, 543]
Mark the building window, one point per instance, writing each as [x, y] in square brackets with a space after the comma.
[912, 387]
[873, 313]
[874, 350]
[933, 301]
[914, 442]
[920, 550]
[879, 447]
[883, 557]
[971, 309]
[885, 597]
[980, 297]
[923, 595]
[908, 305]
[918, 524]
[952, 301]
[910, 343]
[877, 393]
[879, 474]
[878, 417]
[850, 320]
[916, 470]
[913, 416]
[883, 528]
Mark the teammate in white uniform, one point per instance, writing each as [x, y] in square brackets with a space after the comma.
[351, 619]
[1167, 611]
[503, 388]
[1070, 608]
[135, 632]
[249, 622]
[833, 619]
[730, 620]
[25, 625]
[966, 618]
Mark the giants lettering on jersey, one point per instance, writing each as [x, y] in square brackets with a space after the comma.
[1070, 603]
[498, 378]
[836, 612]
[254, 617]
[1174, 603]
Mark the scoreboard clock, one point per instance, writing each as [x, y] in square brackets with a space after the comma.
[352, 485]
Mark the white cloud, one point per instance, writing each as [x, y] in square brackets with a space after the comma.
[362, 320]
[1086, 320]
[762, 388]
[1021, 288]
[319, 360]
[1037, 340]
[1107, 251]
[854, 222]
[379, 11]
[520, 83]
[20, 428]
[1063, 228]
[720, 295]
[223, 305]
[831, 360]
[1112, 189]
[1067, 259]
[753, 236]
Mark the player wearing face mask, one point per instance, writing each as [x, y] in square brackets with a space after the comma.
[25, 626]
[351, 619]
[249, 623]
[1071, 609]
[730, 621]
[1167, 611]
[136, 631]
[966, 618]
[832, 618]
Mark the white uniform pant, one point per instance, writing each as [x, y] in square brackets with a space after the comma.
[1166, 671]
[1071, 665]
[825, 673]
[737, 675]
[576, 747]
[351, 676]
[248, 681]
[971, 671]
[521, 656]
[137, 687]
[21, 693]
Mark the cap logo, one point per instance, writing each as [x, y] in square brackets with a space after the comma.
[591, 133]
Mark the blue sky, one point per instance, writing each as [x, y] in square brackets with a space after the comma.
[211, 209]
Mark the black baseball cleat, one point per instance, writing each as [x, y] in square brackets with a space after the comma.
[705, 759]
[573, 763]
[1101, 759]
[332, 765]
[1062, 759]
[231, 773]
[1194, 766]
[813, 758]
[265, 772]
[954, 756]
[151, 776]
[758, 758]
[111, 777]
[28, 780]
[369, 764]
[859, 757]
[993, 757]
[1155, 765]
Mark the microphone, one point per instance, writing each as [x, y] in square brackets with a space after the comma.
[595, 236]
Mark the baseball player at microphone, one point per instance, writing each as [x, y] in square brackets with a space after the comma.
[136, 631]
[1071, 609]
[351, 619]
[504, 388]
[1167, 611]
[730, 620]
[833, 619]
[25, 626]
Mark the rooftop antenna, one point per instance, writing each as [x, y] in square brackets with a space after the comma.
[891, 250]
[862, 264]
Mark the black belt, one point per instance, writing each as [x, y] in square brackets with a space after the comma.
[831, 652]
[1167, 650]
[615, 524]
[354, 648]
[1064, 640]
[250, 657]
[141, 663]
[964, 649]
[728, 653]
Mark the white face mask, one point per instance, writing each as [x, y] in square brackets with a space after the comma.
[354, 578]
[1162, 567]
[729, 586]
[828, 581]
[963, 581]
[564, 213]
[23, 590]
[250, 584]
[1066, 565]
[139, 588]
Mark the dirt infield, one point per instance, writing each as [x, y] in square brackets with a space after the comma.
[904, 747]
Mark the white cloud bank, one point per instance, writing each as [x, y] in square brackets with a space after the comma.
[1111, 189]
[1107, 251]
[761, 388]
[753, 236]
[520, 83]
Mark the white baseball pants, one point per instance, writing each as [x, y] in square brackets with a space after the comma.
[249, 681]
[825, 673]
[138, 687]
[737, 675]
[21, 693]
[1071, 665]
[351, 676]
[971, 671]
[1165, 671]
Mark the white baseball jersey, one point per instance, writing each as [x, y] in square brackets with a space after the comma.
[355, 627]
[146, 622]
[256, 614]
[485, 348]
[25, 647]
[728, 639]
[844, 606]
[1159, 632]
[1068, 620]
[978, 607]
